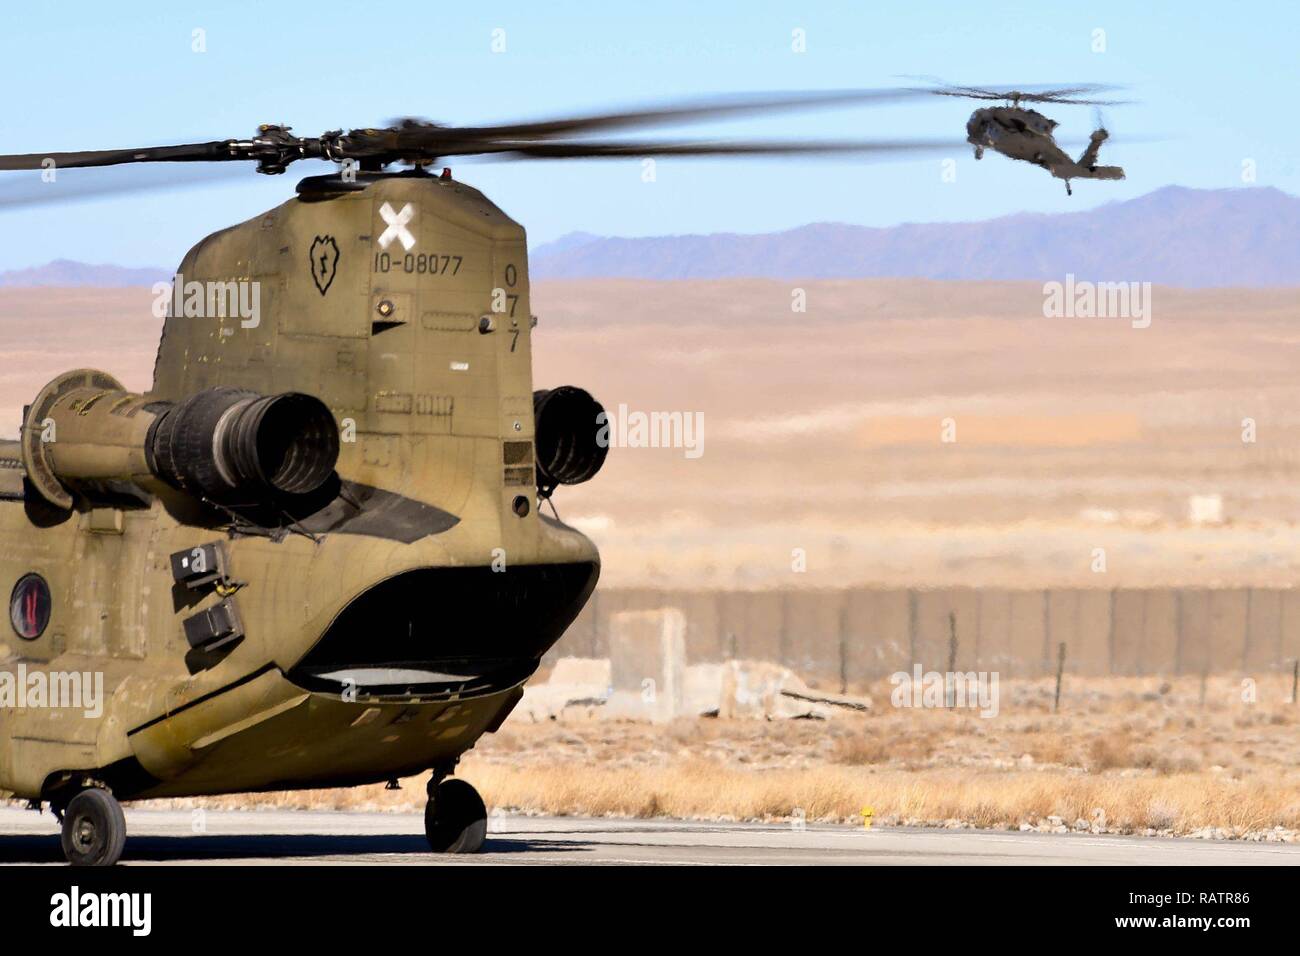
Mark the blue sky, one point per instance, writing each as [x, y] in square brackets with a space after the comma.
[1217, 84]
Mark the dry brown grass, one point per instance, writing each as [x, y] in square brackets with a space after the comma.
[702, 790]
[698, 789]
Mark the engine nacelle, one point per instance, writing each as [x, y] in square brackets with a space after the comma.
[567, 424]
[226, 445]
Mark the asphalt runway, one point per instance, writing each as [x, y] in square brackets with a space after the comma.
[279, 837]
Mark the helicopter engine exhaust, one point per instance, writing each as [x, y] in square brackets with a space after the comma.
[567, 425]
[227, 445]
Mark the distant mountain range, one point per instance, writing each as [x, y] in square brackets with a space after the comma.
[66, 272]
[1173, 236]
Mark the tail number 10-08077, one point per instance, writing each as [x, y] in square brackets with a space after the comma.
[426, 263]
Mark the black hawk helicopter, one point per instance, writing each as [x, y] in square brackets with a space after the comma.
[1025, 134]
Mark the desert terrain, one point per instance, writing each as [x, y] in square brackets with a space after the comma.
[824, 432]
[824, 429]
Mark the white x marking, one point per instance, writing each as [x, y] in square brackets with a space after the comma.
[397, 226]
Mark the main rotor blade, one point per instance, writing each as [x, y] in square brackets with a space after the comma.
[24, 189]
[690, 111]
[608, 150]
[1066, 102]
[1073, 90]
[1030, 94]
[273, 147]
[972, 95]
[191, 152]
[1029, 98]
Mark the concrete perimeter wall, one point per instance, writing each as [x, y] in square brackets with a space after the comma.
[851, 636]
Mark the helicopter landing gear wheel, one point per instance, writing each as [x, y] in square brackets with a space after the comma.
[94, 829]
[979, 152]
[455, 818]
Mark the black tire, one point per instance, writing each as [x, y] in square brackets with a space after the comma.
[94, 829]
[455, 820]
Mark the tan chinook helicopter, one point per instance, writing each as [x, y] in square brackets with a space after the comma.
[312, 553]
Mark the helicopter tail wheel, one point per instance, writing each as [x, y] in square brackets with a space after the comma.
[455, 818]
[94, 829]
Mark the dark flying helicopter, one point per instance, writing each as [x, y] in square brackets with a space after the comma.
[1020, 133]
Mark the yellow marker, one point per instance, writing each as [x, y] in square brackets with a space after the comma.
[867, 813]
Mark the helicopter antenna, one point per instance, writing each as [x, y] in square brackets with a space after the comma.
[293, 525]
[239, 525]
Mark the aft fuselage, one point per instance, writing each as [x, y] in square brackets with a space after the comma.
[384, 634]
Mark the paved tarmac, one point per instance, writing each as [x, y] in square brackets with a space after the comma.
[282, 837]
